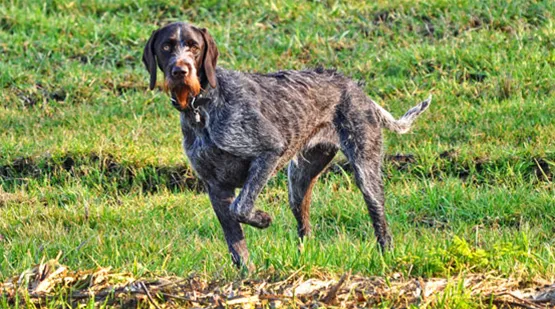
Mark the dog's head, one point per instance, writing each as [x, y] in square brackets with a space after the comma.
[187, 55]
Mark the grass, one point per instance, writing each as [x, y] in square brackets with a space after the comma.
[91, 162]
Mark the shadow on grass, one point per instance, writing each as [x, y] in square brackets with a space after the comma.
[97, 170]
[116, 174]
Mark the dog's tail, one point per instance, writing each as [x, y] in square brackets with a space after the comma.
[403, 124]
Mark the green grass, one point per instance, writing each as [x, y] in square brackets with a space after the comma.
[91, 162]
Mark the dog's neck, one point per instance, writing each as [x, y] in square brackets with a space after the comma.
[197, 106]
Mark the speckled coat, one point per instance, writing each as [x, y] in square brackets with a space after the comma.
[239, 132]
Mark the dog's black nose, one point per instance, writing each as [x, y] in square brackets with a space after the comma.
[178, 71]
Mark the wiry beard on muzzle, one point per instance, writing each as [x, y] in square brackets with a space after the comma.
[189, 87]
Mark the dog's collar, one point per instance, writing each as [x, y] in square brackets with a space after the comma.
[195, 104]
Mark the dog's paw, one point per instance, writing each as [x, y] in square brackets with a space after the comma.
[258, 219]
[261, 219]
[386, 242]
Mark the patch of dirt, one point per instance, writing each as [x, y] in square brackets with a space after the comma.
[475, 23]
[449, 164]
[38, 94]
[450, 154]
[7, 23]
[383, 17]
[512, 220]
[542, 169]
[52, 281]
[84, 59]
[476, 77]
[120, 88]
[29, 99]
[431, 222]
[151, 178]
[427, 29]
[58, 95]
[125, 174]
[400, 161]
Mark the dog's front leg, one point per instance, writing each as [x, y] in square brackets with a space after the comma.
[221, 199]
[260, 171]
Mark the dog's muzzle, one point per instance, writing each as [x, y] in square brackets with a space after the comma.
[179, 72]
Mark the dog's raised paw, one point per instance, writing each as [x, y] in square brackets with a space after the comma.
[258, 218]
[262, 219]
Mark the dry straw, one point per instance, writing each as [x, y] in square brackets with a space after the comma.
[46, 282]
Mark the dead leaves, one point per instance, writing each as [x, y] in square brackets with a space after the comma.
[47, 281]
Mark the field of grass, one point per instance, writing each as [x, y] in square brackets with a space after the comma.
[91, 165]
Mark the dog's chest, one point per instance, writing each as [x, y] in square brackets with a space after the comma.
[212, 164]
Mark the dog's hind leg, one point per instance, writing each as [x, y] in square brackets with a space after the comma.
[361, 141]
[302, 175]
[221, 199]
[367, 170]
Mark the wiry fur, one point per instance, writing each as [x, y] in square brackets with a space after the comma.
[253, 124]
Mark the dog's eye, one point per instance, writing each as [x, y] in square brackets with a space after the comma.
[166, 47]
[194, 49]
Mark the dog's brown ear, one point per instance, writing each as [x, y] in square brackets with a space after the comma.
[210, 57]
[149, 58]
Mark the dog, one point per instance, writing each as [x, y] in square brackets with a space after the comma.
[240, 128]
